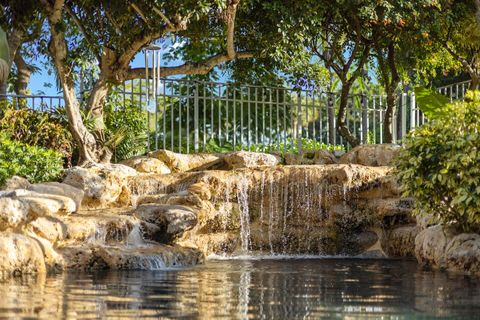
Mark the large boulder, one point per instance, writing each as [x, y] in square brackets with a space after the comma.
[311, 157]
[59, 189]
[374, 155]
[400, 241]
[20, 255]
[42, 204]
[16, 182]
[147, 165]
[13, 213]
[178, 162]
[443, 248]
[246, 159]
[172, 220]
[104, 186]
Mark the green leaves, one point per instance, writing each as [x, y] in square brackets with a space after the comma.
[432, 103]
[34, 163]
[439, 166]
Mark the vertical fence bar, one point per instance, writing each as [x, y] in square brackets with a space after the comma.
[412, 111]
[364, 119]
[241, 118]
[299, 123]
[249, 134]
[404, 115]
[195, 120]
[331, 119]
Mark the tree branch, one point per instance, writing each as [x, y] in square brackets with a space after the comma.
[203, 67]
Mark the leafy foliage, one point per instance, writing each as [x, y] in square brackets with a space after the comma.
[432, 103]
[36, 128]
[34, 163]
[439, 166]
[126, 128]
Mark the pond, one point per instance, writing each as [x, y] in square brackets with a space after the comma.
[256, 288]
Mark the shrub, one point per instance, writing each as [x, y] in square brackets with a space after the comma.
[34, 163]
[439, 166]
[37, 128]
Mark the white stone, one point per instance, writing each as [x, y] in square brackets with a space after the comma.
[12, 213]
[375, 155]
[245, 159]
[20, 255]
[60, 189]
[147, 165]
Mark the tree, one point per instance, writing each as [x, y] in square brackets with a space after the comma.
[114, 34]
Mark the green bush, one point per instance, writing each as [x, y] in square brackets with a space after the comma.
[37, 128]
[440, 166]
[34, 163]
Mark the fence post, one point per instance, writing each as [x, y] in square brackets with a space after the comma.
[412, 111]
[404, 115]
[331, 118]
[195, 119]
[299, 123]
[364, 119]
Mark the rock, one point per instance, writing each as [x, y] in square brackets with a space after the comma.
[186, 162]
[49, 228]
[201, 189]
[16, 182]
[463, 253]
[60, 189]
[375, 155]
[20, 255]
[173, 220]
[430, 245]
[245, 159]
[323, 157]
[147, 165]
[400, 242]
[104, 185]
[338, 153]
[42, 204]
[13, 213]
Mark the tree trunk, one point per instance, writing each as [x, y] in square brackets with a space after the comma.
[387, 121]
[342, 127]
[90, 151]
[23, 75]
[95, 108]
[475, 84]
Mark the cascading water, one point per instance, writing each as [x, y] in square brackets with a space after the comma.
[242, 196]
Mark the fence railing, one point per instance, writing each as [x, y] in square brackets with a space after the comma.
[193, 116]
[455, 91]
[44, 103]
[190, 116]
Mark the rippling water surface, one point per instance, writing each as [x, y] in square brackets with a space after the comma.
[265, 289]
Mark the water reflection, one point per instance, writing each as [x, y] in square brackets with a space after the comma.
[294, 289]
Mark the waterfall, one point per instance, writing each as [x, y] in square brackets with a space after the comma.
[242, 196]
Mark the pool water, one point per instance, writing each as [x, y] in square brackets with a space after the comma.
[249, 289]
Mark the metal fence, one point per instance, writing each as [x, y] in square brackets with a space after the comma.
[455, 91]
[190, 116]
[43, 103]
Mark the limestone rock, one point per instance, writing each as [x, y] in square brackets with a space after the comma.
[186, 162]
[245, 159]
[20, 255]
[172, 220]
[374, 155]
[147, 165]
[13, 213]
[463, 253]
[60, 189]
[49, 228]
[16, 182]
[430, 245]
[323, 157]
[42, 204]
[400, 242]
[104, 185]
[201, 189]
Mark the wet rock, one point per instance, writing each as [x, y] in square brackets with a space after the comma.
[13, 213]
[49, 228]
[104, 185]
[463, 253]
[372, 155]
[147, 165]
[178, 162]
[201, 189]
[20, 255]
[245, 159]
[16, 182]
[430, 245]
[173, 220]
[400, 242]
[59, 189]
